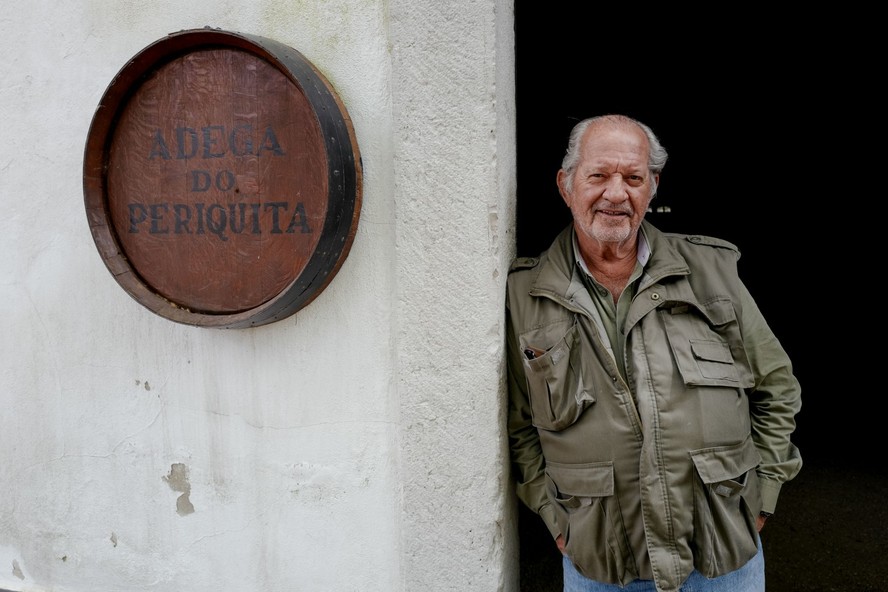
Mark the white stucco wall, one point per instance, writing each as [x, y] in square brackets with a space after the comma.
[355, 446]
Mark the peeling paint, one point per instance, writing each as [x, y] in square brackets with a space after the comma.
[114, 539]
[16, 570]
[177, 479]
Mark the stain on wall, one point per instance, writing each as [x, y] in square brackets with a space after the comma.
[177, 479]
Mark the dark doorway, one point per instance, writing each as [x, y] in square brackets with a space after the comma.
[752, 162]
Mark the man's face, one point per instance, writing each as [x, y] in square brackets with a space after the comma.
[612, 185]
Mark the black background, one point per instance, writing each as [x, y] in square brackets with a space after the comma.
[768, 149]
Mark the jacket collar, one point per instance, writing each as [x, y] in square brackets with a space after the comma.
[559, 274]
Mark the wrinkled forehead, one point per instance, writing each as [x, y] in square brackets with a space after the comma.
[615, 145]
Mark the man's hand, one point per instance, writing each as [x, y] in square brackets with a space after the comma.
[759, 523]
[559, 542]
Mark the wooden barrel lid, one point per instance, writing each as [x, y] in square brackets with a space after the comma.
[222, 179]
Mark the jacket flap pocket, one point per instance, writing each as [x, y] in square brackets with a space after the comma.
[705, 352]
[558, 395]
[712, 351]
[583, 479]
[726, 462]
[719, 311]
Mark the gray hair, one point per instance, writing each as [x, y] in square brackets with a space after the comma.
[656, 157]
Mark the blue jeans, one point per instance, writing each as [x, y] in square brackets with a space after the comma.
[749, 578]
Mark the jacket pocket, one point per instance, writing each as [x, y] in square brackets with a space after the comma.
[706, 345]
[558, 395]
[589, 517]
[710, 359]
[727, 498]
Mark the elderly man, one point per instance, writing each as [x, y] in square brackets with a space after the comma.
[651, 406]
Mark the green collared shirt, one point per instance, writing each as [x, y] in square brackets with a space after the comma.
[610, 315]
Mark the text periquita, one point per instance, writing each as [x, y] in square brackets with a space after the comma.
[198, 218]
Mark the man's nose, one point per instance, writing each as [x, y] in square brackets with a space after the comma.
[615, 190]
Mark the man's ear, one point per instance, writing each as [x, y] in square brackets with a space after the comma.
[559, 180]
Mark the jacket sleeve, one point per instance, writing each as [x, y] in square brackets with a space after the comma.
[528, 464]
[775, 399]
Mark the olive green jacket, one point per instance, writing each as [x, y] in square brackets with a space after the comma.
[667, 471]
